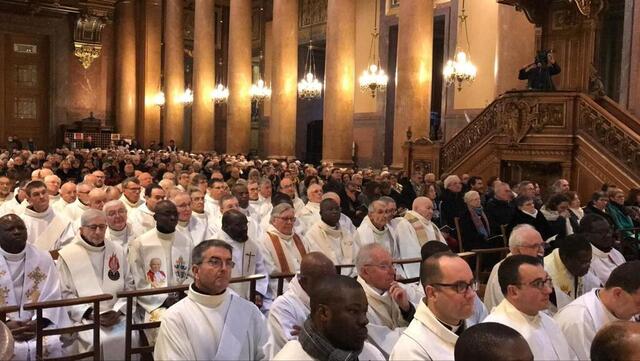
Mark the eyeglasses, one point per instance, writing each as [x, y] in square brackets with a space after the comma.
[460, 287]
[217, 262]
[287, 219]
[95, 227]
[384, 266]
[539, 283]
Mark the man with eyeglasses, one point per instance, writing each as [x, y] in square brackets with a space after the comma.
[131, 193]
[119, 230]
[619, 300]
[605, 258]
[329, 237]
[92, 265]
[524, 239]
[74, 210]
[390, 310]
[526, 287]
[450, 292]
[212, 322]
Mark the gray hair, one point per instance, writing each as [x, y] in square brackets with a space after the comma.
[202, 247]
[111, 204]
[278, 210]
[372, 205]
[365, 255]
[515, 238]
[469, 194]
[89, 215]
[177, 194]
[449, 179]
[264, 181]
[387, 200]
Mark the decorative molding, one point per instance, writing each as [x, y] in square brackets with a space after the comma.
[87, 37]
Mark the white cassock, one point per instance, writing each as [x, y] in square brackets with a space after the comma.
[493, 294]
[419, 229]
[249, 261]
[265, 206]
[6, 199]
[347, 224]
[196, 229]
[87, 270]
[565, 281]
[581, 320]
[174, 252]
[60, 205]
[367, 233]
[212, 208]
[415, 291]
[250, 212]
[293, 351]
[47, 230]
[13, 206]
[298, 204]
[290, 309]
[335, 243]
[129, 205]
[425, 339]
[603, 263]
[386, 323]
[308, 215]
[121, 237]
[26, 277]
[541, 332]
[282, 254]
[206, 327]
[256, 205]
[141, 220]
[254, 229]
[74, 210]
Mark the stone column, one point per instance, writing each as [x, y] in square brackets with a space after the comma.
[126, 68]
[149, 69]
[414, 66]
[202, 124]
[282, 127]
[239, 106]
[337, 127]
[173, 126]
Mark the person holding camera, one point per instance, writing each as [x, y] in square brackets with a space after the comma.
[538, 74]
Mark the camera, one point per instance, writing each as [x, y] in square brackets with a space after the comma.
[542, 57]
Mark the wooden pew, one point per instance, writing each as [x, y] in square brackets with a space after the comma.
[280, 278]
[131, 295]
[38, 307]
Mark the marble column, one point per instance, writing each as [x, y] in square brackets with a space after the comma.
[202, 124]
[173, 125]
[148, 67]
[126, 68]
[414, 66]
[239, 105]
[337, 127]
[282, 127]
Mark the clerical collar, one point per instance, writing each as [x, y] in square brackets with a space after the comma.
[211, 301]
[90, 246]
[165, 236]
[457, 329]
[13, 256]
[183, 224]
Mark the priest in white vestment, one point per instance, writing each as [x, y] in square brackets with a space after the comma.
[28, 275]
[605, 258]
[199, 215]
[159, 258]
[241, 193]
[52, 182]
[92, 265]
[263, 204]
[74, 210]
[131, 194]
[569, 266]
[247, 255]
[390, 310]
[524, 239]
[584, 317]
[345, 222]
[450, 290]
[6, 193]
[119, 231]
[212, 323]
[217, 189]
[18, 202]
[287, 187]
[289, 311]
[46, 230]
[419, 226]
[526, 287]
[67, 197]
[328, 237]
[336, 326]
[141, 218]
[190, 226]
[310, 213]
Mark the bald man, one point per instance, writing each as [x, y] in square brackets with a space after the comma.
[74, 211]
[290, 310]
[619, 340]
[310, 213]
[67, 196]
[53, 187]
[419, 226]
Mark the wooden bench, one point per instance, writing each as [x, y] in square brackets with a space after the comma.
[281, 278]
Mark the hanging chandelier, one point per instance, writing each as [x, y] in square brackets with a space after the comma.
[158, 99]
[220, 94]
[460, 69]
[310, 87]
[260, 91]
[373, 78]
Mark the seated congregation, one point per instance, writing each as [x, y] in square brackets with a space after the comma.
[152, 254]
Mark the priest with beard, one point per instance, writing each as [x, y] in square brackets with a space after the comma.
[327, 236]
[212, 322]
[92, 265]
[337, 325]
[46, 229]
[28, 275]
[160, 258]
[119, 230]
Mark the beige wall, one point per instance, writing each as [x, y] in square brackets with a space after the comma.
[515, 47]
[268, 49]
[363, 102]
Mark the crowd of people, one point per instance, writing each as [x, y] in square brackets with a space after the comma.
[82, 222]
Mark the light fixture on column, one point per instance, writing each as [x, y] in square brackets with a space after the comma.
[309, 86]
[374, 79]
[220, 93]
[159, 99]
[260, 91]
[460, 69]
[187, 97]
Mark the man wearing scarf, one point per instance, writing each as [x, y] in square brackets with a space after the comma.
[337, 326]
[568, 266]
[327, 235]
